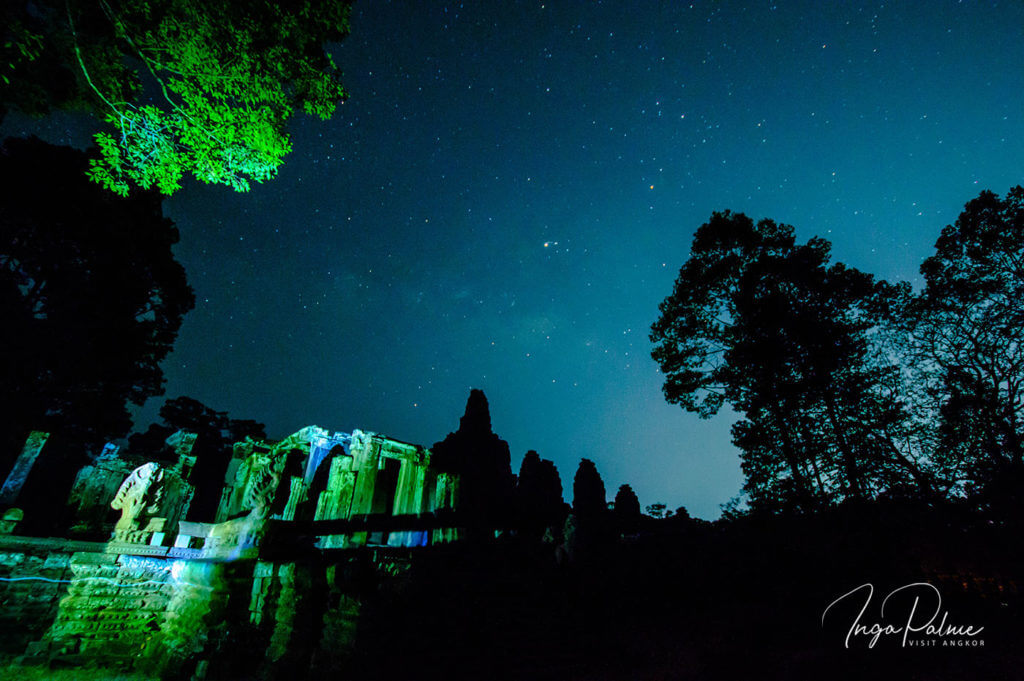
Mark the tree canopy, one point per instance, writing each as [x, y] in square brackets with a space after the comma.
[183, 86]
[771, 328]
[91, 298]
[850, 387]
[967, 326]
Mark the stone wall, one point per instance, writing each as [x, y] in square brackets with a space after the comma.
[273, 589]
[314, 475]
[77, 603]
[180, 618]
[113, 607]
[32, 582]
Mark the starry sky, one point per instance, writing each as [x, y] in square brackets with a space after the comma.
[512, 187]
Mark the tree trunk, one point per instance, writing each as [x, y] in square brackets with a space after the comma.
[849, 461]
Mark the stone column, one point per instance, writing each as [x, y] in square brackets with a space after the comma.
[340, 627]
[408, 501]
[298, 620]
[367, 460]
[183, 442]
[16, 478]
[446, 496]
[296, 495]
[335, 502]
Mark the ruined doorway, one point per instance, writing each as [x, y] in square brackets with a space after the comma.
[384, 495]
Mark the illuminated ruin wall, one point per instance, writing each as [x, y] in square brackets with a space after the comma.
[275, 574]
[316, 476]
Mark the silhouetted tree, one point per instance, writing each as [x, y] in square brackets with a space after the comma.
[801, 363]
[538, 496]
[92, 299]
[770, 327]
[658, 510]
[967, 325]
[216, 433]
[627, 510]
[184, 86]
[695, 327]
[483, 461]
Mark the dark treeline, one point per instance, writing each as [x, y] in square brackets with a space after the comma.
[851, 388]
[592, 590]
[739, 599]
[91, 295]
[91, 299]
[611, 593]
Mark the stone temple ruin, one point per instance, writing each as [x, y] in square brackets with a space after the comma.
[273, 570]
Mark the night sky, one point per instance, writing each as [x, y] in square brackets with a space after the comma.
[512, 187]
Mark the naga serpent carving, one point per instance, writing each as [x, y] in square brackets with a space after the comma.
[139, 494]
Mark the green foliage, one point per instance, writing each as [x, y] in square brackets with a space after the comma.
[184, 86]
[19, 673]
[21, 45]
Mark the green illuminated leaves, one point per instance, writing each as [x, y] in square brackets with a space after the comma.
[188, 87]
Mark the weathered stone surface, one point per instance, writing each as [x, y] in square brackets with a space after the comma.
[31, 587]
[137, 497]
[22, 466]
[94, 488]
[183, 442]
[169, 597]
[10, 519]
[98, 486]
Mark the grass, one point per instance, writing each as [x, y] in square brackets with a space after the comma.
[16, 673]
